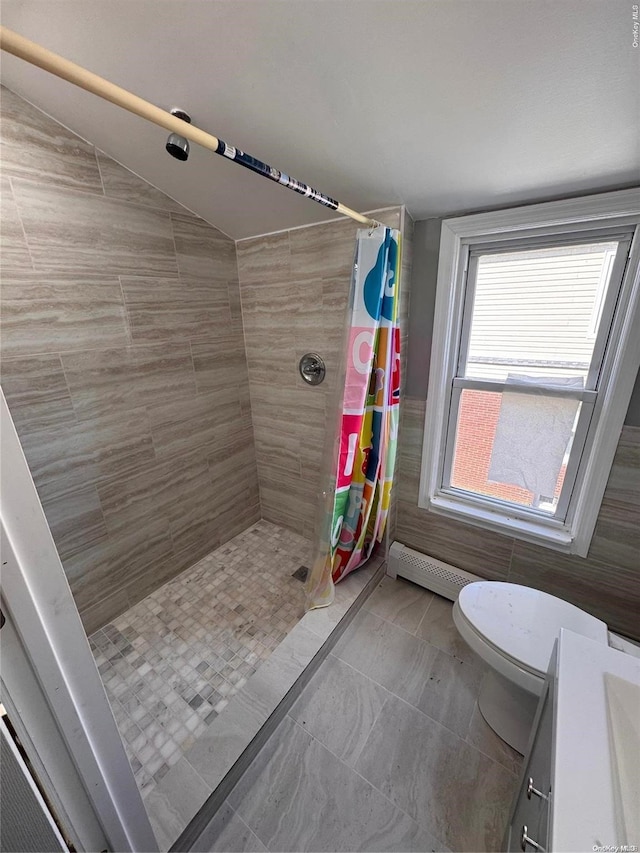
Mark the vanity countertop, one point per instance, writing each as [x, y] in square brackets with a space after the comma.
[594, 797]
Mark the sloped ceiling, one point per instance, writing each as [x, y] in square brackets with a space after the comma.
[444, 105]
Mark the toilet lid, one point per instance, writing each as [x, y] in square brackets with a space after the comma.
[523, 623]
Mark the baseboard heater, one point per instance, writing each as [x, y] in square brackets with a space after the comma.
[426, 571]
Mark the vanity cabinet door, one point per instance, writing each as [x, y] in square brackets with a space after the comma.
[532, 803]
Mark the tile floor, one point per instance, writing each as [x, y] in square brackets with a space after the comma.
[171, 663]
[385, 749]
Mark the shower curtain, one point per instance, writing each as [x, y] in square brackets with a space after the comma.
[356, 504]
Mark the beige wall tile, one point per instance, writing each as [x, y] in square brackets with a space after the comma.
[87, 452]
[277, 445]
[91, 234]
[141, 470]
[121, 184]
[470, 548]
[270, 306]
[205, 421]
[295, 288]
[603, 588]
[58, 312]
[32, 145]
[101, 381]
[219, 362]
[116, 561]
[37, 392]
[263, 259]
[156, 575]
[235, 305]
[201, 250]
[161, 308]
[76, 520]
[273, 365]
[323, 250]
[14, 253]
[243, 514]
[154, 490]
[104, 611]
[164, 371]
[234, 477]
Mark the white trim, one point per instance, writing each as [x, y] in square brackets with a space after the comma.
[40, 736]
[594, 211]
[614, 400]
[581, 394]
[458, 237]
[520, 528]
[42, 610]
[339, 218]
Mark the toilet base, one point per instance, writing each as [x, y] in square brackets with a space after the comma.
[508, 709]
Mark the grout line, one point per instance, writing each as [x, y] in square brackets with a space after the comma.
[424, 616]
[377, 717]
[448, 730]
[237, 815]
[233, 777]
[95, 157]
[490, 757]
[386, 700]
[127, 317]
[368, 781]
[509, 566]
[405, 630]
[193, 370]
[175, 249]
[24, 231]
[188, 211]
[333, 221]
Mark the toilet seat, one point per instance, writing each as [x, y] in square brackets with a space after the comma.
[502, 663]
[513, 628]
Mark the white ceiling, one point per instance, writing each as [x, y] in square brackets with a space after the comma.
[444, 105]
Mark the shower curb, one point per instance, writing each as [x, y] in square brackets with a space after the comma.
[197, 825]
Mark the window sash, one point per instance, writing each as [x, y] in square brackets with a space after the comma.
[606, 318]
[588, 400]
[587, 396]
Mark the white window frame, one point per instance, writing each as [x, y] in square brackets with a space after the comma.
[586, 216]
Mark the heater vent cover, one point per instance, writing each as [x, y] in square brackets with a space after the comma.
[428, 572]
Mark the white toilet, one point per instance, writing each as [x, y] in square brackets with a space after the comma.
[513, 629]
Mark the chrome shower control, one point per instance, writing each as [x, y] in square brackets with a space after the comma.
[524, 840]
[312, 368]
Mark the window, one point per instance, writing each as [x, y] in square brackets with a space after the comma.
[535, 352]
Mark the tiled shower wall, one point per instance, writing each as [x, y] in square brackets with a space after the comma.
[605, 583]
[294, 287]
[123, 364]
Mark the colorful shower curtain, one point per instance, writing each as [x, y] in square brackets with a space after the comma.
[357, 507]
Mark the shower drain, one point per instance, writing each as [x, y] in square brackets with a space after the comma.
[301, 574]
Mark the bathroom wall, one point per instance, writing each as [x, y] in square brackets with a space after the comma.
[607, 582]
[123, 364]
[294, 287]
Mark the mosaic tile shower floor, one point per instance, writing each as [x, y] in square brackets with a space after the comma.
[171, 663]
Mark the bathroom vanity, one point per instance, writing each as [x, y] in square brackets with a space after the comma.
[580, 787]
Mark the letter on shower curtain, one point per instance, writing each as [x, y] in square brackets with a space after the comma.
[370, 409]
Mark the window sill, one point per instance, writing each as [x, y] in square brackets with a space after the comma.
[537, 533]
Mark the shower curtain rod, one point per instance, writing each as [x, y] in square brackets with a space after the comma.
[37, 55]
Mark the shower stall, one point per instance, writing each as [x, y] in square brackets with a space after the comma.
[150, 365]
